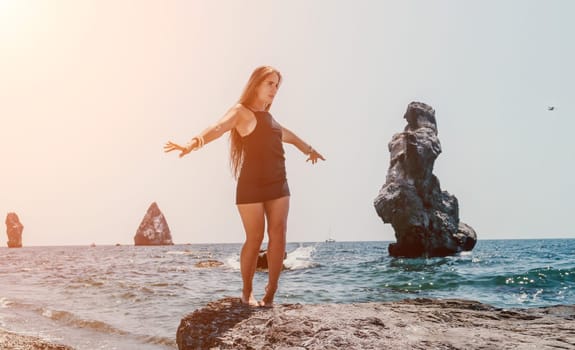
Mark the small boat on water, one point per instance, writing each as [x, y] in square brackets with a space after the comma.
[329, 236]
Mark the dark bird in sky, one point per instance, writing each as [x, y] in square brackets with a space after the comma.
[551, 108]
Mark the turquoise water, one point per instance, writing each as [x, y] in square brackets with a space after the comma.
[128, 297]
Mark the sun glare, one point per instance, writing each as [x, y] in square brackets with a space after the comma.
[15, 15]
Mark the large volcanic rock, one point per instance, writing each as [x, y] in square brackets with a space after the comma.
[14, 230]
[425, 218]
[406, 324]
[154, 228]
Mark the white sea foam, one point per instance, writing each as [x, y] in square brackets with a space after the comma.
[298, 259]
[301, 258]
[233, 262]
[190, 253]
[176, 252]
[182, 252]
[47, 313]
[4, 303]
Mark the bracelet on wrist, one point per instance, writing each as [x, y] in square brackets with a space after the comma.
[199, 143]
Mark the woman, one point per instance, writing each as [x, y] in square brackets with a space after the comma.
[258, 163]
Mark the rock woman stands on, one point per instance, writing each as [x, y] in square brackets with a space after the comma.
[258, 163]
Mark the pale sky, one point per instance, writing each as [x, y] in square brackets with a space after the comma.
[91, 90]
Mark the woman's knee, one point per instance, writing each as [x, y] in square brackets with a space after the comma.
[255, 238]
[278, 225]
[277, 231]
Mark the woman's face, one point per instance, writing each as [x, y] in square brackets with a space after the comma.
[268, 88]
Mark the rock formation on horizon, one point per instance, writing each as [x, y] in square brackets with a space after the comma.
[14, 230]
[425, 218]
[154, 228]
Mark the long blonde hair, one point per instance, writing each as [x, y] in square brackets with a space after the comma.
[246, 99]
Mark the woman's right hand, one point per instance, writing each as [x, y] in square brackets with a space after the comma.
[171, 146]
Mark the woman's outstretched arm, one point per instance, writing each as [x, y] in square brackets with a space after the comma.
[289, 136]
[211, 133]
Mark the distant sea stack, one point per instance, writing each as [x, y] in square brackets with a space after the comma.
[14, 230]
[425, 218]
[154, 228]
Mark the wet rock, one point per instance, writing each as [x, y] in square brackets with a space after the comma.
[153, 229]
[425, 218]
[262, 263]
[208, 263]
[408, 324]
[466, 236]
[14, 230]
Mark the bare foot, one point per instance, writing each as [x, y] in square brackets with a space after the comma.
[249, 301]
[266, 303]
[268, 299]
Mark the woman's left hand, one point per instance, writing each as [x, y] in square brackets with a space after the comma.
[314, 156]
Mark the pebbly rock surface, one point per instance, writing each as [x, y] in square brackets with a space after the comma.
[14, 230]
[425, 218]
[13, 341]
[154, 228]
[407, 324]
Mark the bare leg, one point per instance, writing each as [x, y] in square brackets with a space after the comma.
[276, 212]
[254, 224]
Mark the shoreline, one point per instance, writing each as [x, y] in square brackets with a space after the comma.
[419, 323]
[11, 340]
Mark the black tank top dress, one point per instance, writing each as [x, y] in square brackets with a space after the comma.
[262, 174]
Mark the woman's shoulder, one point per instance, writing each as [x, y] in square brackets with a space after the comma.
[242, 111]
[239, 109]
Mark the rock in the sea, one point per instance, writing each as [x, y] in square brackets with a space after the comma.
[154, 228]
[262, 263]
[406, 324]
[208, 263]
[425, 218]
[14, 230]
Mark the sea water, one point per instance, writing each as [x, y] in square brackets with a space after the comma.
[127, 297]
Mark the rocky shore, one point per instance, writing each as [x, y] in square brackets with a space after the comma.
[407, 324]
[15, 341]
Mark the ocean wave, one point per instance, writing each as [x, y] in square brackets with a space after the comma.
[70, 319]
[171, 342]
[69, 323]
[533, 286]
[64, 317]
[538, 278]
[83, 282]
[298, 259]
[195, 255]
[233, 262]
